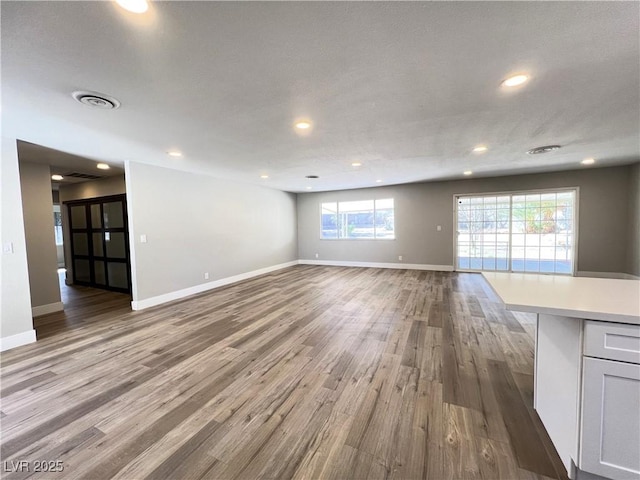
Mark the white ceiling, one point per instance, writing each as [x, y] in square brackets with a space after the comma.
[405, 88]
[65, 164]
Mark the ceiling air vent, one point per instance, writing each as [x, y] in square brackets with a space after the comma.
[545, 149]
[97, 100]
[83, 176]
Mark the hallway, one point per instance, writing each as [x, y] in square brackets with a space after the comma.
[82, 305]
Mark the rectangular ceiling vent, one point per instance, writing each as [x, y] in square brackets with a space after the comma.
[84, 176]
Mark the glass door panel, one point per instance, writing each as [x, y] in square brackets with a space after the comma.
[482, 241]
[527, 232]
[100, 249]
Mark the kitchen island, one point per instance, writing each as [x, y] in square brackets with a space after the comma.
[587, 367]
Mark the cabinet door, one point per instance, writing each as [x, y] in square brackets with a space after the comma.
[610, 435]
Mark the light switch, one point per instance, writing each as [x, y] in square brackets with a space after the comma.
[439, 228]
[7, 247]
[143, 238]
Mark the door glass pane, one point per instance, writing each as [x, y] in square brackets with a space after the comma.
[96, 218]
[116, 246]
[80, 244]
[117, 274]
[483, 233]
[78, 217]
[81, 270]
[98, 270]
[522, 232]
[113, 215]
[97, 244]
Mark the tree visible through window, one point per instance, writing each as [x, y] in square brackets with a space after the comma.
[362, 219]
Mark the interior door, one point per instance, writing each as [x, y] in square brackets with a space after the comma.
[99, 243]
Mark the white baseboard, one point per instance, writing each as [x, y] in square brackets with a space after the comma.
[17, 340]
[203, 287]
[623, 276]
[45, 309]
[401, 266]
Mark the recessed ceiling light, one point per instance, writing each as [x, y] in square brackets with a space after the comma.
[309, 188]
[378, 181]
[135, 6]
[588, 161]
[103, 166]
[174, 153]
[480, 148]
[303, 125]
[264, 176]
[467, 172]
[356, 164]
[515, 80]
[57, 178]
[545, 149]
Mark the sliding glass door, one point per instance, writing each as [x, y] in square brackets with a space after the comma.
[518, 232]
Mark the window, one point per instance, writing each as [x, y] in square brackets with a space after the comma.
[519, 232]
[57, 224]
[363, 219]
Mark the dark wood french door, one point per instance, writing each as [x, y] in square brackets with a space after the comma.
[100, 243]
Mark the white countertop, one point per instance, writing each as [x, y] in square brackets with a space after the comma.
[581, 297]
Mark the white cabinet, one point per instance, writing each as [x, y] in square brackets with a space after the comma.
[610, 434]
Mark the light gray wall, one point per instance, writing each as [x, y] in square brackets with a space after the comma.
[79, 191]
[633, 242]
[37, 206]
[15, 305]
[95, 188]
[420, 207]
[196, 224]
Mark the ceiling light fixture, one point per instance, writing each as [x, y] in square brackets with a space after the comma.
[303, 125]
[264, 176]
[588, 161]
[467, 173]
[56, 177]
[545, 149]
[103, 166]
[356, 164]
[309, 188]
[515, 80]
[480, 148]
[174, 153]
[378, 181]
[134, 6]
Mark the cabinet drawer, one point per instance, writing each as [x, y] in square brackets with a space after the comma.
[613, 341]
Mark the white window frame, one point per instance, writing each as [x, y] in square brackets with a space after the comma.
[374, 238]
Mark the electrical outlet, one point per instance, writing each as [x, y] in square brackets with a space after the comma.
[400, 257]
[316, 255]
[206, 275]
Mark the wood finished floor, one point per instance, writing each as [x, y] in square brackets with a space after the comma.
[310, 372]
